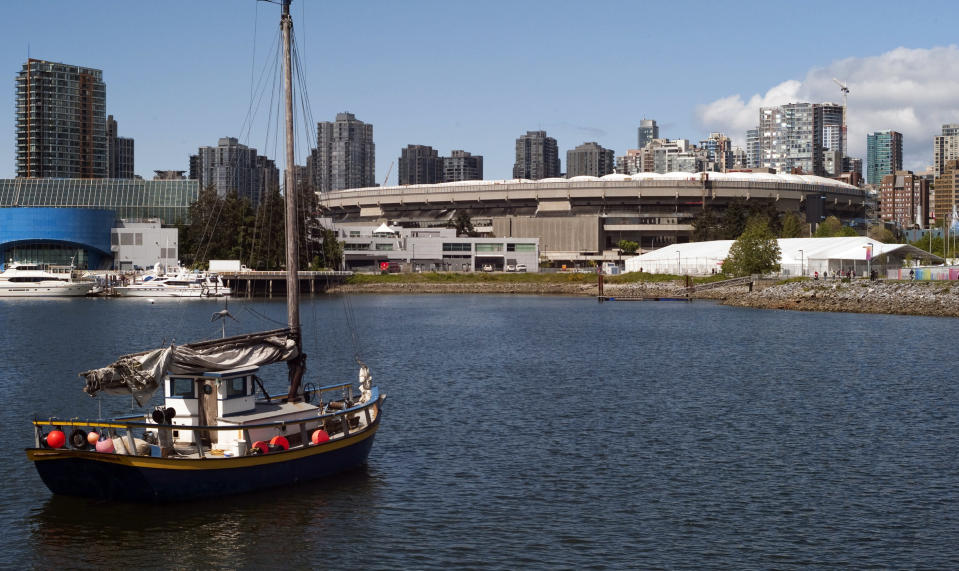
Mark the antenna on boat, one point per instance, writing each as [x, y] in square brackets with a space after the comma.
[297, 365]
[222, 315]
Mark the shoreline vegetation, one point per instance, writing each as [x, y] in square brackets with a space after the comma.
[939, 299]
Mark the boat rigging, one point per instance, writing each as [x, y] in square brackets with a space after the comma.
[212, 436]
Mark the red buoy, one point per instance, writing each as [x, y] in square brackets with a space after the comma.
[263, 446]
[56, 439]
[280, 441]
[105, 446]
[93, 438]
[320, 436]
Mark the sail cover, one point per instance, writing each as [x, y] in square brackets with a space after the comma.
[140, 374]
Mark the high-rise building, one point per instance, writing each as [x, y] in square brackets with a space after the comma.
[537, 156]
[345, 156]
[719, 152]
[648, 130]
[883, 155]
[420, 164]
[947, 191]
[793, 137]
[61, 121]
[753, 149]
[231, 166]
[119, 152]
[946, 147]
[461, 165]
[589, 159]
[904, 199]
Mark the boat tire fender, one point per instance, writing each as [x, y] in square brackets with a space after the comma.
[78, 439]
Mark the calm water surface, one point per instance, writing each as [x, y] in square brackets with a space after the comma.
[535, 432]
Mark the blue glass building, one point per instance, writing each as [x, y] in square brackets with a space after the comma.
[56, 221]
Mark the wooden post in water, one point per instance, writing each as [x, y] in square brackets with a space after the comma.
[599, 282]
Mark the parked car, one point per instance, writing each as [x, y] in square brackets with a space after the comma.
[510, 268]
[487, 268]
[520, 267]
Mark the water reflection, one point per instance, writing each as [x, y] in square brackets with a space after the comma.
[256, 529]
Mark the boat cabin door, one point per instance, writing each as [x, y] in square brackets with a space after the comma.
[208, 410]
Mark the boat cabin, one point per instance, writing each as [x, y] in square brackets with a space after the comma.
[227, 399]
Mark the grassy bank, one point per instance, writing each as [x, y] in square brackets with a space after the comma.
[514, 278]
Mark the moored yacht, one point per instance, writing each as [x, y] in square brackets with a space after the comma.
[36, 280]
[176, 285]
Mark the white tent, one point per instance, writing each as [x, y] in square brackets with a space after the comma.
[799, 256]
[384, 229]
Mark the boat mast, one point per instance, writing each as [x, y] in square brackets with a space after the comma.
[296, 366]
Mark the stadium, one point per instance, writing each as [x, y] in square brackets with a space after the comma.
[584, 218]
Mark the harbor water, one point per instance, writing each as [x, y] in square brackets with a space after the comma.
[533, 432]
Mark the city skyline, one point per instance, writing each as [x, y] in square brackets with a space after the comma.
[168, 97]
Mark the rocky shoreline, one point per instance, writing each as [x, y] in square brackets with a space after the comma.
[939, 299]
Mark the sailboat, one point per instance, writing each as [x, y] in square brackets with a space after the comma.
[213, 435]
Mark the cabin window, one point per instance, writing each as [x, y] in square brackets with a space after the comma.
[236, 387]
[182, 388]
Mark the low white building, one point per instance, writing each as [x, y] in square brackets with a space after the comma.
[143, 243]
[373, 248]
[799, 256]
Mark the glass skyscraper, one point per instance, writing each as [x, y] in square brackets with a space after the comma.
[883, 155]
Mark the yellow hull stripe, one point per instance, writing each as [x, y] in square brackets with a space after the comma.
[209, 463]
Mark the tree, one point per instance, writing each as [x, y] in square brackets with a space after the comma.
[755, 251]
[792, 226]
[706, 226]
[832, 227]
[627, 247]
[880, 233]
[463, 224]
[331, 253]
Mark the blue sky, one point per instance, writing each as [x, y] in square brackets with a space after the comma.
[475, 75]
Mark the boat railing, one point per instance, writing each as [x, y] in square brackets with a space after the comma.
[342, 419]
[346, 390]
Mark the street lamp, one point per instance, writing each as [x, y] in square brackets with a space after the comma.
[802, 267]
[679, 262]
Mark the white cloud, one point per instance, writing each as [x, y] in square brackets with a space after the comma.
[913, 91]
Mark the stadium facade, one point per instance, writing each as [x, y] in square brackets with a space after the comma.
[584, 218]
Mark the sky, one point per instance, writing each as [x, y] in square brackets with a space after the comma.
[453, 74]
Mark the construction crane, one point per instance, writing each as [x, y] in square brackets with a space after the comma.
[843, 89]
[388, 171]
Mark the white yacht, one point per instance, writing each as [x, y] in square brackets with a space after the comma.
[35, 280]
[176, 285]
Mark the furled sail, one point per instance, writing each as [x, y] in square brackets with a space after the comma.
[140, 374]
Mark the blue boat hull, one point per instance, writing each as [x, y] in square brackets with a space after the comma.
[140, 479]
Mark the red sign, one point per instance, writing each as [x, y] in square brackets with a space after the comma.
[384, 266]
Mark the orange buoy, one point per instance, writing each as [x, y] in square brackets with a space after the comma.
[263, 447]
[93, 438]
[56, 439]
[320, 436]
[280, 441]
[105, 446]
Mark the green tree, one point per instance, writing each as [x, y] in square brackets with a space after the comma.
[628, 247]
[463, 224]
[880, 233]
[829, 228]
[707, 226]
[269, 244]
[792, 226]
[331, 252]
[738, 213]
[756, 251]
